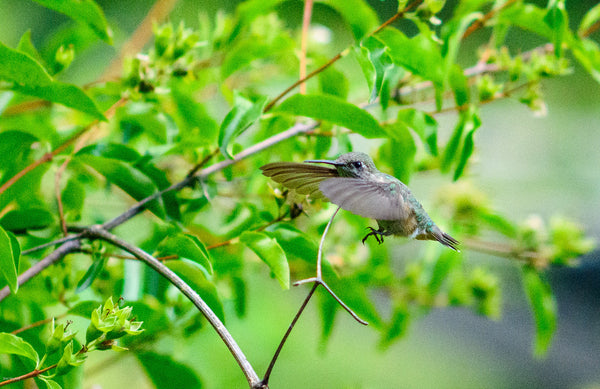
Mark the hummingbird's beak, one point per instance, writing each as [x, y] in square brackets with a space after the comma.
[334, 163]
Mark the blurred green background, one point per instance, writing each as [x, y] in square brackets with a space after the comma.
[527, 165]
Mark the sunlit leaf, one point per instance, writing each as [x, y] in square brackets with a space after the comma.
[12, 344]
[9, 259]
[357, 13]
[242, 115]
[186, 246]
[591, 17]
[164, 371]
[30, 78]
[334, 110]
[293, 241]
[271, 253]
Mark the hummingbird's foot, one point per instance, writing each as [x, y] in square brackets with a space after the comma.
[376, 233]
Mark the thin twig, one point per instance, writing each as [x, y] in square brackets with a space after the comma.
[265, 380]
[31, 374]
[319, 279]
[481, 22]
[251, 376]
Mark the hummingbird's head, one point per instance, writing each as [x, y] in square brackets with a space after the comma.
[354, 164]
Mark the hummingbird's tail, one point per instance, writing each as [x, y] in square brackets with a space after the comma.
[436, 234]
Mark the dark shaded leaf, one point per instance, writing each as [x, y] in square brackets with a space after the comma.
[90, 275]
[165, 372]
[27, 219]
[129, 179]
[194, 277]
[82, 11]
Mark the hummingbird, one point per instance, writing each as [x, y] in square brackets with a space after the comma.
[354, 184]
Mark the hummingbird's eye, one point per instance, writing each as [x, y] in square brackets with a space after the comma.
[357, 165]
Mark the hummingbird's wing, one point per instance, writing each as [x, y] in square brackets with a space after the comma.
[301, 177]
[372, 199]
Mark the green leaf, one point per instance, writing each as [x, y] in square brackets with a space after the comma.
[129, 179]
[84, 308]
[528, 17]
[293, 241]
[357, 13]
[469, 121]
[50, 384]
[21, 220]
[90, 275]
[270, 252]
[587, 53]
[333, 82]
[242, 115]
[377, 65]
[397, 326]
[86, 12]
[196, 278]
[556, 18]
[12, 344]
[467, 149]
[420, 55]
[165, 372]
[452, 37]
[9, 259]
[252, 49]
[73, 199]
[30, 78]
[423, 125]
[543, 306]
[591, 17]
[200, 128]
[186, 246]
[26, 46]
[459, 85]
[335, 110]
[400, 151]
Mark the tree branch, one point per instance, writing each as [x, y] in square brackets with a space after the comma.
[100, 233]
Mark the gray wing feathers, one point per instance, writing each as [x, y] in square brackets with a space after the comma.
[303, 178]
[365, 198]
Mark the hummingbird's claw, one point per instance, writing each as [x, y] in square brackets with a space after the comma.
[376, 233]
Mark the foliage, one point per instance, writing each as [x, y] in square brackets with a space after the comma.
[183, 132]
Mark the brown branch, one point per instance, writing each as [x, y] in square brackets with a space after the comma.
[36, 324]
[481, 22]
[308, 5]
[590, 30]
[31, 374]
[333, 60]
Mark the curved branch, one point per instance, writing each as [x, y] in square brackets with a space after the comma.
[251, 376]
